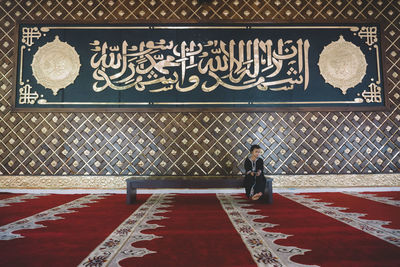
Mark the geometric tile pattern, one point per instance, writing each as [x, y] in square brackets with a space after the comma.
[198, 143]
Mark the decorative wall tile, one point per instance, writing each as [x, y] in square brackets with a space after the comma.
[199, 143]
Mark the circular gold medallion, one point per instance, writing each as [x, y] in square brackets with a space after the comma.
[342, 64]
[56, 65]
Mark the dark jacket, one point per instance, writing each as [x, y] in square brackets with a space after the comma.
[259, 165]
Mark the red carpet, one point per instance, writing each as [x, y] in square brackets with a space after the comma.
[201, 230]
[391, 198]
[8, 195]
[332, 242]
[16, 211]
[67, 241]
[374, 210]
[395, 195]
[197, 233]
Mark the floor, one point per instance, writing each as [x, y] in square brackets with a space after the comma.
[208, 229]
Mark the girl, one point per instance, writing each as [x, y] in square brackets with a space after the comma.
[254, 181]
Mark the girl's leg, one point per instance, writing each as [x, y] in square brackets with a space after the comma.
[260, 185]
[248, 183]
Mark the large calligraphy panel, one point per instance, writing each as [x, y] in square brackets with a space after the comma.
[70, 67]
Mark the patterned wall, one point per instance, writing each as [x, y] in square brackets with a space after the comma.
[199, 143]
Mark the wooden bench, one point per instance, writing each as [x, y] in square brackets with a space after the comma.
[132, 184]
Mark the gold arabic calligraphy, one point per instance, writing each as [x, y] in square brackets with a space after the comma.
[163, 66]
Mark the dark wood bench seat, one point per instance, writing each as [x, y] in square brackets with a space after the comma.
[189, 182]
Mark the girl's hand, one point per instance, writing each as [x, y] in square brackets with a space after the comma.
[258, 172]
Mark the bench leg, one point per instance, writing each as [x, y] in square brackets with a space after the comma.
[268, 192]
[130, 195]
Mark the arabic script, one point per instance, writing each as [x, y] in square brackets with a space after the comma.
[163, 65]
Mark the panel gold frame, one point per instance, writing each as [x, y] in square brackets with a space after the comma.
[146, 108]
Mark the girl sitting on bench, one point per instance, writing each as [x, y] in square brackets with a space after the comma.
[254, 181]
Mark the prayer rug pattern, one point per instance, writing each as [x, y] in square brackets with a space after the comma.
[6, 231]
[19, 199]
[373, 227]
[375, 197]
[260, 243]
[119, 244]
[313, 229]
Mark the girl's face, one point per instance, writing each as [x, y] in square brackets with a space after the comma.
[256, 152]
